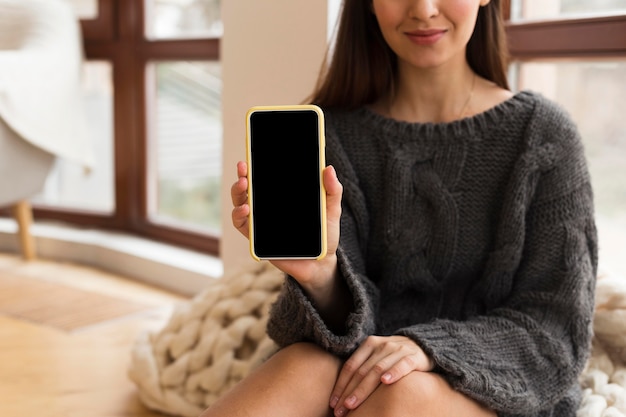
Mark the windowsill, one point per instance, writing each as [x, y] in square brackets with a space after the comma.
[180, 270]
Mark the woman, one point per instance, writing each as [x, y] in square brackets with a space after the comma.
[462, 252]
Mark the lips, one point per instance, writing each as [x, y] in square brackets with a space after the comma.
[426, 36]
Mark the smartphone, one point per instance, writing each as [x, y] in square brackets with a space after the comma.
[286, 156]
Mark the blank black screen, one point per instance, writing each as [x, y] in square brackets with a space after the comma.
[285, 175]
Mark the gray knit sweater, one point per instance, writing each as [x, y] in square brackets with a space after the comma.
[476, 239]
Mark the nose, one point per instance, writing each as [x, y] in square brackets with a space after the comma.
[424, 9]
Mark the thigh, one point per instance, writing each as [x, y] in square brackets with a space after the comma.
[295, 381]
[420, 394]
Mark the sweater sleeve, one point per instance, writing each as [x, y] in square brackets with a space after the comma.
[526, 351]
[294, 318]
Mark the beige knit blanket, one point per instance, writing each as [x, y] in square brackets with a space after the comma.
[215, 339]
[604, 379]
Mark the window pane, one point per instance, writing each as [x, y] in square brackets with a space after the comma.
[84, 9]
[550, 9]
[68, 185]
[186, 144]
[593, 94]
[176, 19]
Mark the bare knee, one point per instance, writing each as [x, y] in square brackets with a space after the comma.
[420, 393]
[308, 359]
[296, 380]
[412, 394]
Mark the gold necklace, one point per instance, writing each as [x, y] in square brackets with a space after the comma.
[469, 97]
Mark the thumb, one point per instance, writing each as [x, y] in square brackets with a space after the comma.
[334, 192]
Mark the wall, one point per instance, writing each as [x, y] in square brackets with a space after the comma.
[271, 53]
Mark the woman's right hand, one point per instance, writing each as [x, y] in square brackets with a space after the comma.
[313, 275]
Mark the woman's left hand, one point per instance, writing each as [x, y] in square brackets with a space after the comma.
[380, 359]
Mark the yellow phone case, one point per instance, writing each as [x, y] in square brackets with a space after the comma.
[322, 159]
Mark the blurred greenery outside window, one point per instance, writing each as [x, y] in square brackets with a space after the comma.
[183, 19]
[186, 147]
[185, 126]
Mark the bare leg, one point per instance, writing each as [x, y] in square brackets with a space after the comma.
[423, 394]
[296, 381]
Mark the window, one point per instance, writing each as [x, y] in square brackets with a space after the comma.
[175, 19]
[534, 9]
[185, 131]
[152, 90]
[574, 52]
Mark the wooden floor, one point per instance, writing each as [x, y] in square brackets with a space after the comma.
[48, 371]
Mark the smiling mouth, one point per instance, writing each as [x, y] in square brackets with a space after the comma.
[425, 37]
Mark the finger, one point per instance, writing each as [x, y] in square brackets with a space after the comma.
[348, 371]
[242, 169]
[239, 217]
[359, 389]
[391, 358]
[368, 377]
[331, 182]
[405, 364]
[239, 192]
[334, 192]
[239, 197]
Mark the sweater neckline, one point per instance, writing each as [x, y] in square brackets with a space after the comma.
[467, 127]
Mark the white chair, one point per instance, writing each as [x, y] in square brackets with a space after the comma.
[23, 171]
[41, 116]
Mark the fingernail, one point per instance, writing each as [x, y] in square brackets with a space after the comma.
[339, 412]
[351, 401]
[334, 401]
[386, 377]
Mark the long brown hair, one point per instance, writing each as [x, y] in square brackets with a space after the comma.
[362, 67]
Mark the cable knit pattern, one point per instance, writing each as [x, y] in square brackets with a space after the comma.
[475, 238]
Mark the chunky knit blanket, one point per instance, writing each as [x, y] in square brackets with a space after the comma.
[215, 339]
[604, 379]
[209, 343]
